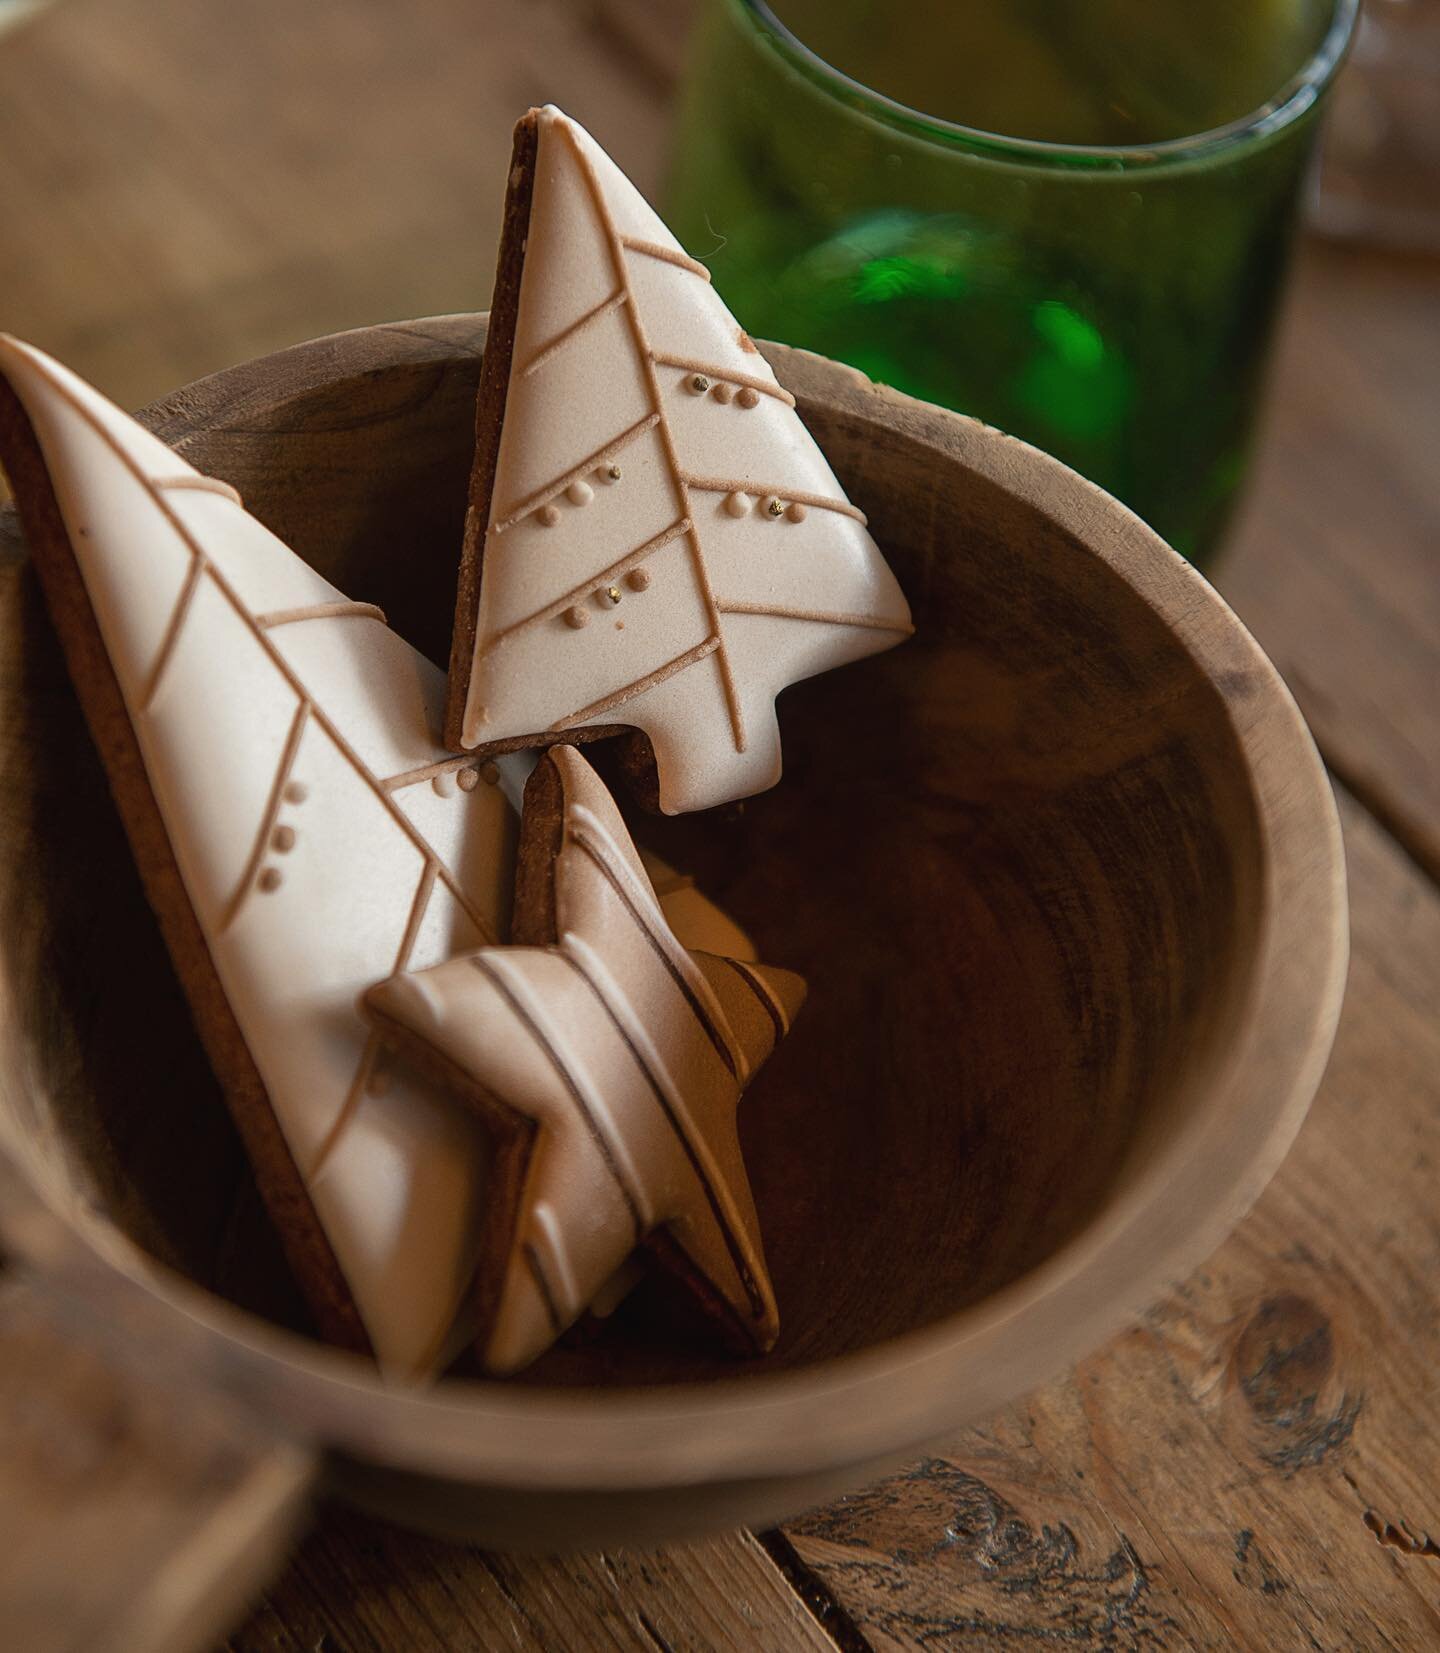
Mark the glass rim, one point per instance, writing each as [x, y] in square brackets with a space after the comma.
[1291, 100]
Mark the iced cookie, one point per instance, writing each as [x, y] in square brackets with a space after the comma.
[654, 541]
[274, 750]
[607, 1061]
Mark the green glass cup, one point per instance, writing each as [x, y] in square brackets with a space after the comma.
[1071, 220]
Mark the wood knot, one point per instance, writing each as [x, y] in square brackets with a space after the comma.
[1286, 1368]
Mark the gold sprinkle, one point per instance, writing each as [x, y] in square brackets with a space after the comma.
[774, 507]
[576, 618]
[699, 384]
[638, 579]
[283, 839]
[721, 392]
[613, 593]
[795, 511]
[737, 504]
[269, 879]
[295, 792]
[467, 780]
[548, 515]
[613, 473]
[490, 773]
[749, 397]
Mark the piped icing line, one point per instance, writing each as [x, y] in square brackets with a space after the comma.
[559, 1272]
[653, 249]
[589, 835]
[173, 627]
[202, 484]
[617, 245]
[577, 327]
[866, 622]
[717, 485]
[726, 375]
[544, 1287]
[589, 966]
[277, 660]
[369, 1055]
[768, 1002]
[529, 1014]
[629, 691]
[552, 490]
[618, 568]
[321, 611]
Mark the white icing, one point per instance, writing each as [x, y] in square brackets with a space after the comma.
[581, 380]
[396, 1177]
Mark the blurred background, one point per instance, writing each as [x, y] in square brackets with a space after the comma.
[188, 183]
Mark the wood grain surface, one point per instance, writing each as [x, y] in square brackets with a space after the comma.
[188, 184]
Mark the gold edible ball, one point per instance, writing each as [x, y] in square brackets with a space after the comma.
[699, 384]
[774, 507]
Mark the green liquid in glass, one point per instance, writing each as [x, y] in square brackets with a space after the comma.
[1110, 302]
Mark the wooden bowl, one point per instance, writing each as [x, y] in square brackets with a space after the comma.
[1064, 873]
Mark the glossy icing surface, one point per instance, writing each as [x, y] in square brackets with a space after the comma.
[666, 546]
[629, 1054]
[324, 836]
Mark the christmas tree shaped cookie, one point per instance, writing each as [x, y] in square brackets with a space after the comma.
[608, 1060]
[654, 542]
[275, 752]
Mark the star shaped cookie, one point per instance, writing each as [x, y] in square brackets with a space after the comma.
[608, 1062]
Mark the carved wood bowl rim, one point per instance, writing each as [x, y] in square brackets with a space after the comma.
[867, 1406]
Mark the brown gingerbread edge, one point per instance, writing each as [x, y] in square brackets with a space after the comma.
[490, 415]
[276, 1174]
[638, 758]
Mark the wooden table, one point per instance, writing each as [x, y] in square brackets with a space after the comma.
[185, 183]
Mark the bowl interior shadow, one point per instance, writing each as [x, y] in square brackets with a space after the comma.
[1017, 860]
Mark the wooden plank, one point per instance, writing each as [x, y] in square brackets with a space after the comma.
[358, 1583]
[133, 1514]
[1333, 565]
[1255, 1464]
